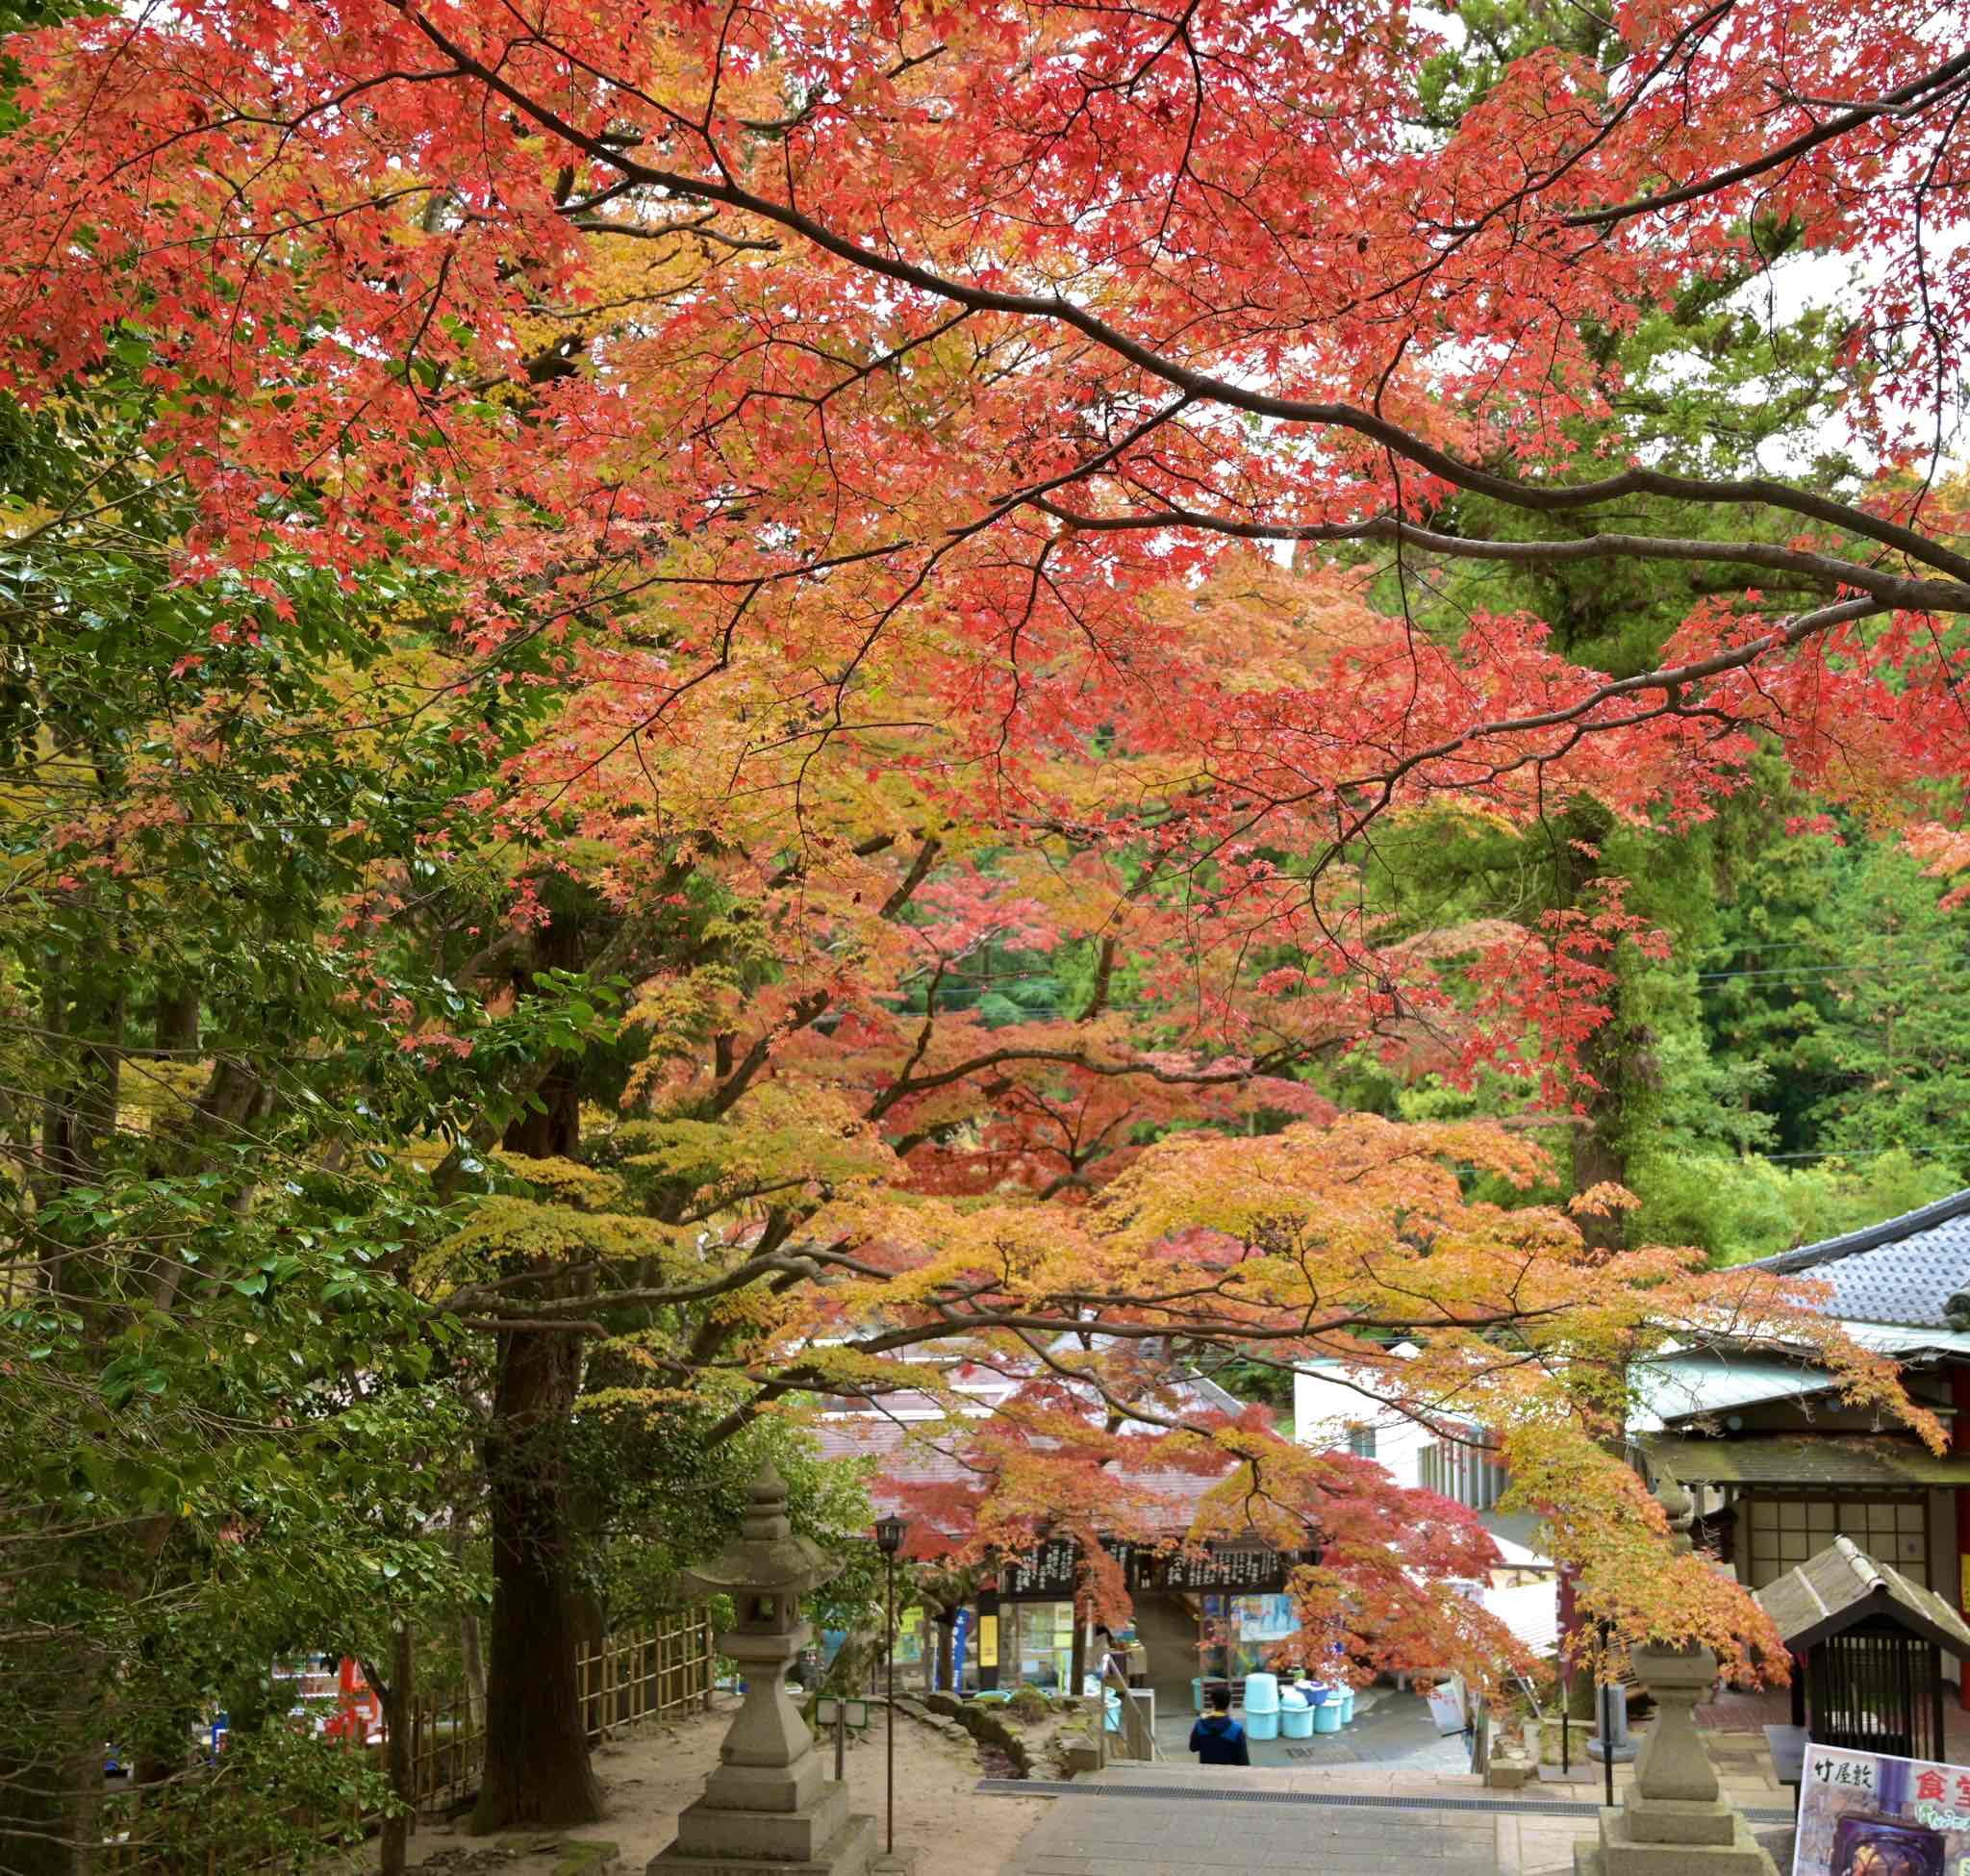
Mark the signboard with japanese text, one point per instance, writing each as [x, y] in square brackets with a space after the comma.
[1045, 1573]
[1863, 1813]
[1251, 1572]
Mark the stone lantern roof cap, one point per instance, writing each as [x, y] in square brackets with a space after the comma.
[767, 1558]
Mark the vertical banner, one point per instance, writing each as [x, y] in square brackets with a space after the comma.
[960, 1635]
[1863, 1813]
[988, 1642]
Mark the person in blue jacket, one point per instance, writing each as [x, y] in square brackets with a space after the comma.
[1218, 1740]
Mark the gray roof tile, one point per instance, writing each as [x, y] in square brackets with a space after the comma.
[1905, 1270]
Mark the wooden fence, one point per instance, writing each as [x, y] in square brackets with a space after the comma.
[653, 1673]
[663, 1670]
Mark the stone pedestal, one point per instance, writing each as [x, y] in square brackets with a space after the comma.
[1675, 1822]
[767, 1811]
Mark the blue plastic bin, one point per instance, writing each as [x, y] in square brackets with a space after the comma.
[1327, 1717]
[1262, 1726]
[1261, 1694]
[1296, 1722]
[1346, 1706]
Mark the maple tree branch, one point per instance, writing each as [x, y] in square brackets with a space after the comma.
[1068, 1058]
[1820, 569]
[1460, 233]
[1198, 386]
[809, 1008]
[449, 1173]
[1918, 94]
[863, 849]
[805, 1374]
[1671, 678]
[698, 228]
[803, 1266]
[804, 1011]
[920, 868]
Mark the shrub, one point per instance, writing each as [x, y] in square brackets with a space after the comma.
[1027, 1704]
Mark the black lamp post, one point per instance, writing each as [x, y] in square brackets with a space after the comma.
[889, 1539]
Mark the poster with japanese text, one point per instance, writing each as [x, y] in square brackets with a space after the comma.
[1862, 1814]
[1265, 1618]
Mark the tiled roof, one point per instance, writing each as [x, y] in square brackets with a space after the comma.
[1693, 1385]
[1884, 1462]
[1903, 1271]
[905, 1456]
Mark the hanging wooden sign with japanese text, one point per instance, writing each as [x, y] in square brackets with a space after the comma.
[1246, 1571]
[1044, 1572]
[1049, 1571]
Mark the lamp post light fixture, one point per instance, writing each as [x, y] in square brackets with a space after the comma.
[889, 1539]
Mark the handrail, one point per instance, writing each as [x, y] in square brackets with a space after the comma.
[1138, 1737]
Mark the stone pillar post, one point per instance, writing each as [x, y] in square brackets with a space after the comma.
[1673, 1767]
[1674, 1821]
[1611, 1738]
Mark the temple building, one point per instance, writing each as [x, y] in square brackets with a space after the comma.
[1779, 1467]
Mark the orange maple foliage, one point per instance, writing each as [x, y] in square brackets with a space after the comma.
[1329, 1242]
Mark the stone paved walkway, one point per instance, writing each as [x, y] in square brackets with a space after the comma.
[1134, 1837]
[1100, 1832]
[1392, 1728]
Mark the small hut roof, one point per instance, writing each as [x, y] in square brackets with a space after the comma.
[1842, 1588]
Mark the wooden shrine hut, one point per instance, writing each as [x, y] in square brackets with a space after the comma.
[1867, 1646]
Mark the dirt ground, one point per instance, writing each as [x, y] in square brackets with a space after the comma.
[651, 1776]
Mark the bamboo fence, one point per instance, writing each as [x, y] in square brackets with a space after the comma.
[652, 1673]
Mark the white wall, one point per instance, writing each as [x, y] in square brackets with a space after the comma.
[1325, 1405]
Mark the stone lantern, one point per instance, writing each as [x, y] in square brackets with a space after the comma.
[1675, 1819]
[768, 1808]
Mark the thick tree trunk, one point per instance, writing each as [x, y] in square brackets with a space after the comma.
[1616, 1055]
[397, 1720]
[537, 1751]
[537, 1754]
[175, 1018]
[1599, 1160]
[536, 1767]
